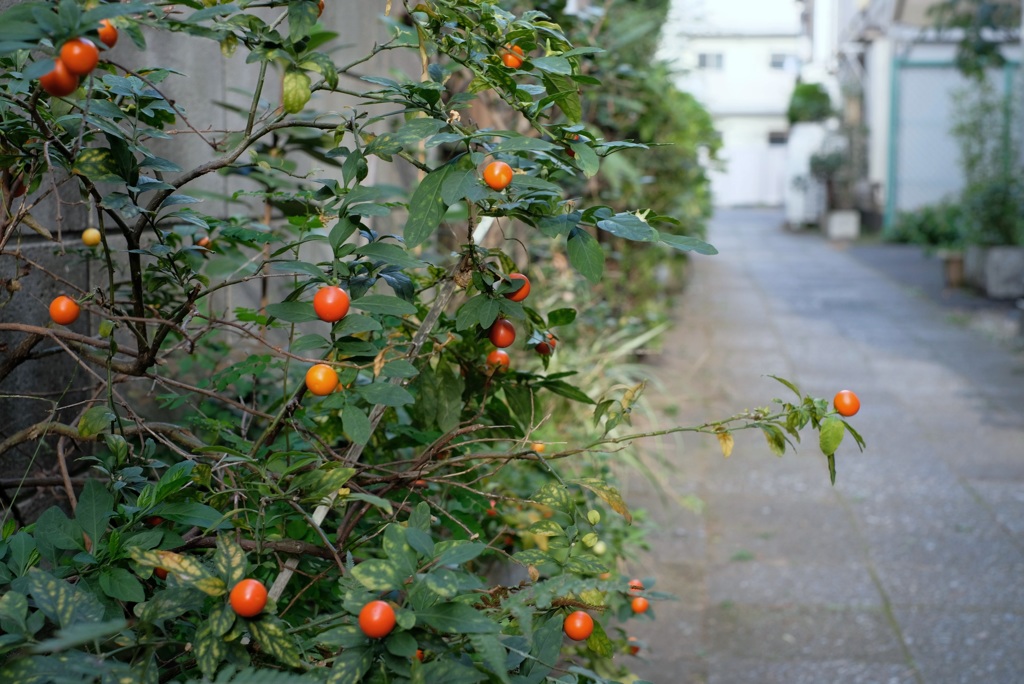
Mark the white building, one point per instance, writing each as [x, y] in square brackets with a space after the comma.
[740, 59]
[900, 74]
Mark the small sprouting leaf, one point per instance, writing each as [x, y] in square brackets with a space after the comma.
[378, 575]
[832, 431]
[274, 639]
[726, 441]
[609, 494]
[787, 383]
[95, 421]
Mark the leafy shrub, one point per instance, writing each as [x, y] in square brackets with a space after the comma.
[934, 225]
[208, 458]
[809, 102]
[994, 211]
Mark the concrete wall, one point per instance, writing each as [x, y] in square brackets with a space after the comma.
[209, 78]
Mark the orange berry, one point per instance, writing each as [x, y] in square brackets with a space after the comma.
[497, 175]
[80, 56]
[108, 33]
[523, 292]
[847, 403]
[59, 82]
[321, 379]
[578, 626]
[498, 360]
[64, 310]
[640, 604]
[248, 598]
[502, 333]
[377, 619]
[331, 303]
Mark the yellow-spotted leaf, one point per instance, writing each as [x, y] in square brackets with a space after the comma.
[273, 638]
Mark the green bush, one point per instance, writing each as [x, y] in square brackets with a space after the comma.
[423, 477]
[942, 225]
[809, 102]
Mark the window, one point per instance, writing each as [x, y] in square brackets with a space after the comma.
[778, 137]
[709, 60]
[778, 60]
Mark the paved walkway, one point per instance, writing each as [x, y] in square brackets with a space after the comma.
[910, 570]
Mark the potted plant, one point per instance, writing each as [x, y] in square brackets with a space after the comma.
[994, 216]
[834, 169]
[940, 229]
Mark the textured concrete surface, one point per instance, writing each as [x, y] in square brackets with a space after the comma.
[910, 569]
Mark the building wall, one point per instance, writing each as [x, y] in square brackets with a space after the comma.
[754, 172]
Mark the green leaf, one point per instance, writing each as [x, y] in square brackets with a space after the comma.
[13, 609]
[599, 643]
[832, 469]
[389, 253]
[95, 421]
[493, 654]
[457, 552]
[80, 635]
[191, 513]
[553, 65]
[60, 601]
[555, 496]
[521, 143]
[565, 92]
[377, 501]
[609, 494]
[99, 165]
[273, 637]
[629, 226]
[776, 439]
[686, 243]
[353, 324]
[832, 431]
[174, 480]
[401, 644]
[480, 310]
[456, 618]
[384, 304]
[229, 560]
[397, 549]
[378, 575]
[386, 394]
[586, 158]
[443, 582]
[462, 185]
[302, 18]
[170, 604]
[449, 671]
[122, 585]
[787, 383]
[95, 506]
[293, 312]
[309, 343]
[356, 425]
[426, 207]
[561, 317]
[399, 368]
[419, 539]
[351, 665]
[585, 254]
[566, 390]
[322, 482]
[222, 619]
[210, 650]
[295, 90]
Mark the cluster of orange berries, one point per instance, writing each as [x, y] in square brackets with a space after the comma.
[578, 625]
[76, 59]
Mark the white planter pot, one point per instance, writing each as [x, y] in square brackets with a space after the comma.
[843, 224]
